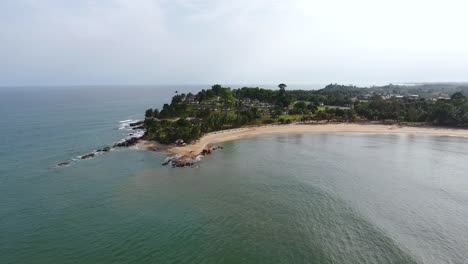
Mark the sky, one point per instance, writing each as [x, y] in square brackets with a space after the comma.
[106, 42]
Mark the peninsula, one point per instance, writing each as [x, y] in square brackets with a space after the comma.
[193, 123]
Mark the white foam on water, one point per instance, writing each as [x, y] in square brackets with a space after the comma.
[172, 158]
[126, 121]
[198, 158]
[125, 124]
[138, 134]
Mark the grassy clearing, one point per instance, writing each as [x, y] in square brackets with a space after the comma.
[321, 108]
[290, 117]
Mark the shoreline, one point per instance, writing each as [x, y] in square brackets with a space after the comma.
[194, 149]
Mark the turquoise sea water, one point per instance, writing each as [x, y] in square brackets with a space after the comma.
[328, 198]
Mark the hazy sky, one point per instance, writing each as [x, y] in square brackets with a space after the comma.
[53, 42]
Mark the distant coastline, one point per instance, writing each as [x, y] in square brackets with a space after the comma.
[211, 139]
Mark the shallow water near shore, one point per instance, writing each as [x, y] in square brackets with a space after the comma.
[323, 198]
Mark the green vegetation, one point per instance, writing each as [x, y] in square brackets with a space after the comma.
[446, 112]
[189, 116]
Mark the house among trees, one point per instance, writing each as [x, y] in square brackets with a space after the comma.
[340, 107]
[195, 120]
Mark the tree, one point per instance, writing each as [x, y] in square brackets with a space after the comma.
[443, 113]
[306, 118]
[149, 113]
[412, 114]
[282, 86]
[299, 108]
[156, 113]
[460, 108]
[227, 98]
[282, 99]
[216, 89]
[457, 97]
[275, 112]
[312, 108]
[166, 112]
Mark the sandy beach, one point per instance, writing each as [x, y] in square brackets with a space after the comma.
[213, 138]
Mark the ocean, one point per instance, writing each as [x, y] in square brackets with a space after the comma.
[325, 198]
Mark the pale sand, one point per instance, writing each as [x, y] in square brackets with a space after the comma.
[210, 139]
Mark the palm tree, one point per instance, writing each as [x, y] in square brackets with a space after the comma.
[282, 86]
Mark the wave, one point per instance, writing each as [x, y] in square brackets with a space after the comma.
[125, 124]
[198, 158]
[126, 121]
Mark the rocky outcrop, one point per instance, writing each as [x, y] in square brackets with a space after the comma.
[105, 149]
[210, 150]
[128, 142]
[87, 156]
[179, 161]
[182, 163]
[205, 152]
[137, 124]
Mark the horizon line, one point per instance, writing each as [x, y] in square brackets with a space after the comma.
[245, 84]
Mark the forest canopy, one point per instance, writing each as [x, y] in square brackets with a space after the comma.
[188, 116]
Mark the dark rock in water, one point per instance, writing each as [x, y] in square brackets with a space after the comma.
[205, 152]
[87, 156]
[106, 149]
[63, 164]
[128, 142]
[138, 127]
[139, 123]
[210, 149]
[179, 162]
